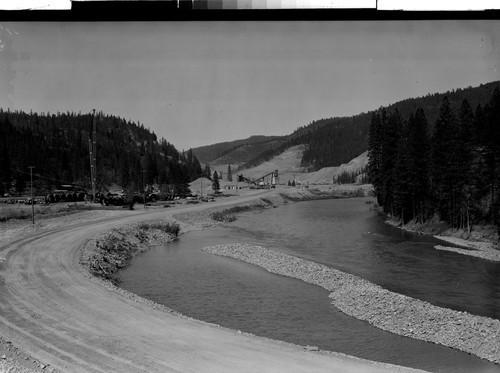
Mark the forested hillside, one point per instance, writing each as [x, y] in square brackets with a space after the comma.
[333, 141]
[422, 165]
[330, 142]
[57, 146]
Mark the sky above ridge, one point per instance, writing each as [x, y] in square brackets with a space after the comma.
[198, 83]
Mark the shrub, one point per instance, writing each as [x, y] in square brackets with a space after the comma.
[172, 228]
[227, 215]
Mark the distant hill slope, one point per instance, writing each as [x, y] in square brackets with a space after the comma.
[236, 152]
[333, 141]
[289, 167]
[287, 163]
[326, 175]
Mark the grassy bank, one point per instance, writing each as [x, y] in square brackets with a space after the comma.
[22, 212]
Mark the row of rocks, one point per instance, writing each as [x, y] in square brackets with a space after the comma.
[108, 252]
[384, 309]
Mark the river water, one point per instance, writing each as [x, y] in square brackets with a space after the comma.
[343, 234]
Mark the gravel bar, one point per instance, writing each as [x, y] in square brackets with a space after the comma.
[389, 311]
[492, 255]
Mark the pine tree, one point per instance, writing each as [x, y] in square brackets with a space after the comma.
[375, 155]
[419, 154]
[464, 158]
[391, 125]
[402, 196]
[492, 154]
[229, 173]
[444, 172]
[215, 183]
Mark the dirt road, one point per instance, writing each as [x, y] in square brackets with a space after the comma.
[50, 309]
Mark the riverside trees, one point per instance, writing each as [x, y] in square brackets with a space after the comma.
[454, 173]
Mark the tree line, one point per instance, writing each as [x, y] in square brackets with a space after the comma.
[450, 170]
[57, 145]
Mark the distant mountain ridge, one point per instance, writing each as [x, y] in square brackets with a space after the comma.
[333, 141]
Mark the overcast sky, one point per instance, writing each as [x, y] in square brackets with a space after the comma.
[198, 83]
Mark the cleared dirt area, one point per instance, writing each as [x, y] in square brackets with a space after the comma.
[66, 321]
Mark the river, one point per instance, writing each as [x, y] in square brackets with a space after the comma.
[342, 233]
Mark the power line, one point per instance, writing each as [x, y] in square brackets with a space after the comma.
[43, 177]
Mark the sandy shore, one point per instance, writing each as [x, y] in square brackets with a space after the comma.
[60, 319]
[386, 310]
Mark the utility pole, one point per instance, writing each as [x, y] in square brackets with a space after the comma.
[201, 187]
[32, 201]
[143, 187]
[92, 151]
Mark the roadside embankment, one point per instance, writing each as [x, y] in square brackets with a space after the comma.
[110, 251]
[386, 310]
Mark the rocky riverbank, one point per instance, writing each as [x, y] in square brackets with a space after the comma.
[110, 251]
[485, 252]
[386, 310]
[482, 242]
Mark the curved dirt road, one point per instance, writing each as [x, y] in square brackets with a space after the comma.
[57, 315]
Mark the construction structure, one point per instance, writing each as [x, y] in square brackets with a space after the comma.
[269, 180]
